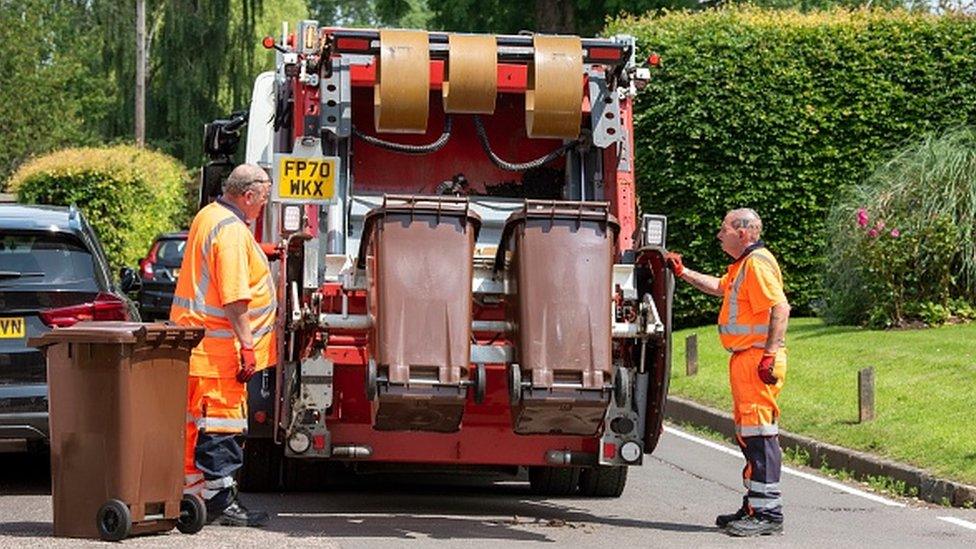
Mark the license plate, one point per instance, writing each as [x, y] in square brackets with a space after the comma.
[305, 179]
[12, 328]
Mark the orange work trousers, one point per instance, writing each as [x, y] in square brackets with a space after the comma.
[216, 416]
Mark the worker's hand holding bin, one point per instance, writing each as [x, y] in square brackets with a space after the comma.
[117, 399]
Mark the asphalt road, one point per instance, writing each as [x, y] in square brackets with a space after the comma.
[669, 502]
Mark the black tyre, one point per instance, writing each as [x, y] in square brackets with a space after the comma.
[622, 388]
[193, 514]
[514, 384]
[480, 384]
[262, 466]
[554, 481]
[114, 521]
[371, 380]
[603, 481]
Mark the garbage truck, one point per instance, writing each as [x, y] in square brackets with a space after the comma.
[468, 280]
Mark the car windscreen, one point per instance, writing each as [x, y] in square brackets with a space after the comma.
[45, 259]
[170, 251]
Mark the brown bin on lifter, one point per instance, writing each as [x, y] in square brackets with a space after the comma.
[117, 394]
[418, 256]
[561, 267]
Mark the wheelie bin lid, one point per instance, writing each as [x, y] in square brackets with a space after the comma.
[156, 333]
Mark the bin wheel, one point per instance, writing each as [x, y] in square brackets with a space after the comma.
[114, 520]
[621, 388]
[371, 381]
[514, 384]
[480, 384]
[193, 514]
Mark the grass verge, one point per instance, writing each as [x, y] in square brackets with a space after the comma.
[923, 390]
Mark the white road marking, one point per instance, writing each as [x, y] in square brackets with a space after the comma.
[959, 522]
[788, 470]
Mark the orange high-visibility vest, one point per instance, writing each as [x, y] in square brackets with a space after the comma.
[223, 263]
[751, 287]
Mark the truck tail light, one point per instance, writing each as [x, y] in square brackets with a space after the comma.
[104, 307]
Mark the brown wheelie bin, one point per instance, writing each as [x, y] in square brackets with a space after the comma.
[561, 265]
[418, 252]
[117, 403]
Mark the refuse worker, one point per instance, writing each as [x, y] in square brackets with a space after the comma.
[752, 326]
[225, 285]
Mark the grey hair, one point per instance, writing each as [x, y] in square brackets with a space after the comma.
[242, 177]
[746, 218]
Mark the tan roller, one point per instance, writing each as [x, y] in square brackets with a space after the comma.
[401, 95]
[471, 74]
[554, 96]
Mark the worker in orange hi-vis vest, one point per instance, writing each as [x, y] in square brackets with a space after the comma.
[752, 326]
[225, 285]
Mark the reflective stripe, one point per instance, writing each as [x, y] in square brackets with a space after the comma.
[765, 503]
[190, 418]
[762, 488]
[261, 311]
[199, 303]
[757, 431]
[220, 483]
[194, 489]
[743, 329]
[209, 494]
[192, 479]
[222, 423]
[731, 326]
[753, 346]
[228, 334]
[261, 332]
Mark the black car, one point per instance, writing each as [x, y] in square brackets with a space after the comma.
[159, 270]
[53, 272]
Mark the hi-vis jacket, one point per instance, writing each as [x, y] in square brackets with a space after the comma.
[751, 287]
[223, 263]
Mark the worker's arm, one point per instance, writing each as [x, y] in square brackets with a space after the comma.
[779, 317]
[236, 312]
[706, 283]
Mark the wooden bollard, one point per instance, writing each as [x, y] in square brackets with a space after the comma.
[865, 394]
[691, 355]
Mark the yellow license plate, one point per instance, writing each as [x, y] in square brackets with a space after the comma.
[306, 179]
[11, 328]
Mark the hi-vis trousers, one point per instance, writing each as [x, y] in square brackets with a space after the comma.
[216, 419]
[756, 414]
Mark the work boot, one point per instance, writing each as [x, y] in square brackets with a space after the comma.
[723, 520]
[753, 526]
[236, 514]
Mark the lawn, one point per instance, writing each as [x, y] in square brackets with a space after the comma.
[925, 383]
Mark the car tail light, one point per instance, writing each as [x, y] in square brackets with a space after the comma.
[104, 307]
[146, 269]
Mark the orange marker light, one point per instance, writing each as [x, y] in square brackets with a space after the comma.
[654, 60]
[268, 42]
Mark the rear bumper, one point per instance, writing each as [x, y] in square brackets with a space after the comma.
[23, 412]
[156, 298]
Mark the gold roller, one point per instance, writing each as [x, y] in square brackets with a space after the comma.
[401, 95]
[471, 74]
[554, 96]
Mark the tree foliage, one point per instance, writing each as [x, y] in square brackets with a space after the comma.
[778, 110]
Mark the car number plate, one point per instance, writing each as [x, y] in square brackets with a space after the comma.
[12, 328]
[305, 179]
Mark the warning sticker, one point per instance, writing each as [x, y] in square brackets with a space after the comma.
[305, 179]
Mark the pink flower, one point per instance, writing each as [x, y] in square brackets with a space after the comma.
[895, 233]
[873, 233]
[862, 217]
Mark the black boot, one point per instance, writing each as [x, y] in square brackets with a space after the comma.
[754, 526]
[236, 514]
[723, 520]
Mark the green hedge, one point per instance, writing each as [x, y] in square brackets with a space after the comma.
[778, 110]
[128, 194]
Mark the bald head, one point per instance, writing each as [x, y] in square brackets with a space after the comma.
[243, 177]
[740, 229]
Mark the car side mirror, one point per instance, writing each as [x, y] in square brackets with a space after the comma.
[129, 280]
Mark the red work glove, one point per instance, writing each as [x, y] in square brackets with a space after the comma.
[272, 251]
[766, 369]
[248, 365]
[673, 261]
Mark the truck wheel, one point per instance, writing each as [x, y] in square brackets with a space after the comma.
[554, 481]
[480, 384]
[514, 384]
[622, 388]
[114, 520]
[193, 514]
[603, 481]
[371, 380]
[262, 463]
